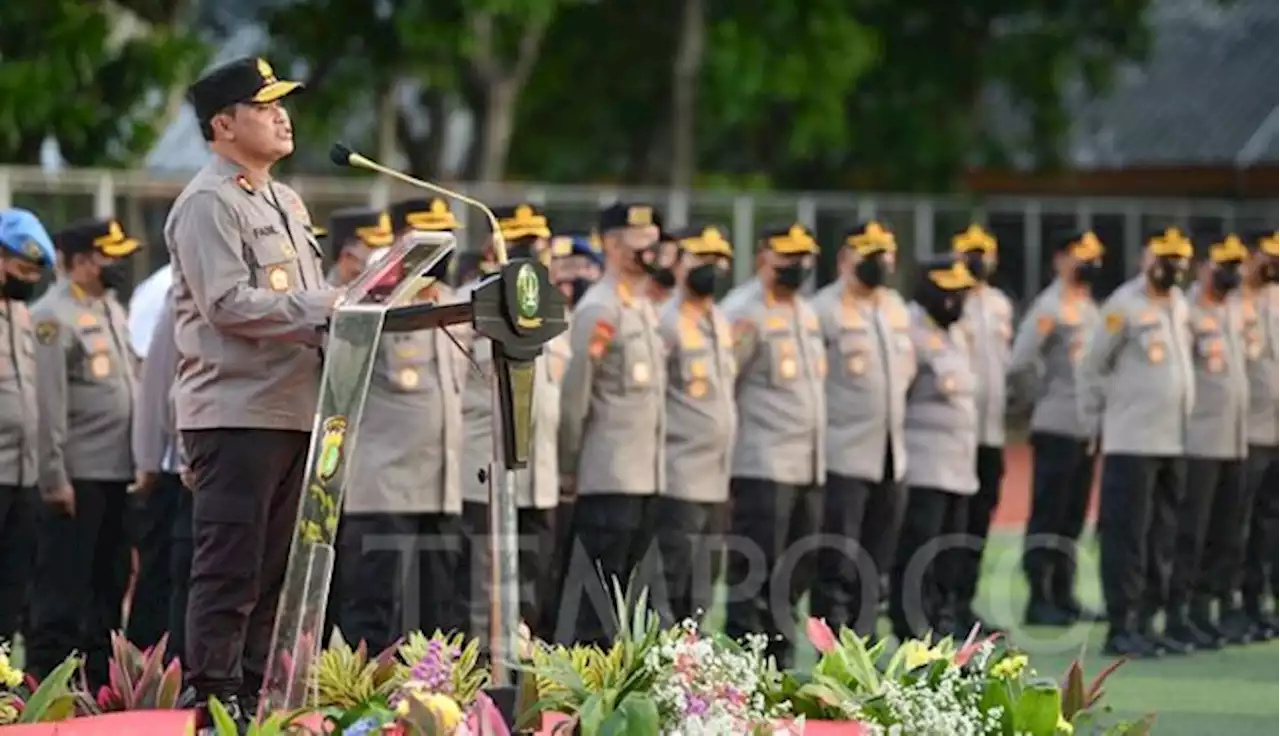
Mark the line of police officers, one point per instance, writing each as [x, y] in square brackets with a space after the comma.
[835, 439]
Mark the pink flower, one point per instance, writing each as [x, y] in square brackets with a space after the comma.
[820, 635]
[971, 646]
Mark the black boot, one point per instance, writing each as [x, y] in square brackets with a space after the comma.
[1063, 593]
[1200, 614]
[1041, 608]
[1123, 641]
[1179, 629]
[1237, 626]
[1161, 643]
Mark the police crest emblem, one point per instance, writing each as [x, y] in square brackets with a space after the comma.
[528, 297]
[335, 434]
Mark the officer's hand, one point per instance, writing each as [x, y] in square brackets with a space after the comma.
[144, 482]
[568, 487]
[187, 477]
[63, 499]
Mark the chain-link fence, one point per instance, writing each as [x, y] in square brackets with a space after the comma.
[1023, 225]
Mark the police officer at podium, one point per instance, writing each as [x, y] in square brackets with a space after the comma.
[779, 462]
[701, 422]
[355, 233]
[1042, 367]
[527, 233]
[867, 332]
[613, 422]
[251, 309]
[402, 513]
[26, 250]
[85, 388]
[1136, 387]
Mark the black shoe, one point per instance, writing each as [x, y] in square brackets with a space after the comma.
[1201, 617]
[1264, 623]
[1237, 627]
[1180, 630]
[1168, 645]
[1077, 612]
[1045, 613]
[1124, 643]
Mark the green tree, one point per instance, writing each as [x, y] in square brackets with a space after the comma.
[98, 76]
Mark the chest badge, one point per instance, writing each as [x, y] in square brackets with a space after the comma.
[787, 367]
[100, 365]
[640, 373]
[278, 278]
[1155, 352]
[697, 388]
[857, 365]
[409, 378]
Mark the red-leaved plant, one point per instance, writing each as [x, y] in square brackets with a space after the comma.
[137, 680]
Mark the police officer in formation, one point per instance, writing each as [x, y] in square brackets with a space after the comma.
[941, 435]
[1042, 370]
[1137, 388]
[701, 422]
[354, 235]
[576, 264]
[26, 252]
[398, 542]
[612, 421]
[867, 332]
[779, 455]
[661, 263]
[1216, 444]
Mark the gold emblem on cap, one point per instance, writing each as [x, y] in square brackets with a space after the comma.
[439, 207]
[266, 72]
[32, 250]
[797, 232]
[640, 216]
[524, 212]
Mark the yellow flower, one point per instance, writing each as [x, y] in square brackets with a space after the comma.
[8, 712]
[10, 676]
[1064, 727]
[1010, 667]
[444, 708]
[918, 654]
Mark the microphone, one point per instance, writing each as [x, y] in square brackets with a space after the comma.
[344, 156]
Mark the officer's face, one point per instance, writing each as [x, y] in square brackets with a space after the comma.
[15, 268]
[625, 246]
[262, 130]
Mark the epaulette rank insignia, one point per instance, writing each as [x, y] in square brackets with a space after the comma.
[243, 182]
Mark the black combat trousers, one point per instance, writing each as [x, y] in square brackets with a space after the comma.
[81, 576]
[397, 573]
[180, 574]
[690, 538]
[1137, 529]
[1258, 580]
[1062, 479]
[152, 519]
[248, 483]
[772, 519]
[562, 538]
[1209, 547]
[536, 528]
[979, 511]
[861, 520]
[613, 534]
[925, 565]
[19, 515]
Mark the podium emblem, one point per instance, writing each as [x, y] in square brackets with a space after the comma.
[528, 298]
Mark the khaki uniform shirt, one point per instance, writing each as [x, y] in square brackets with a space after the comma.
[18, 410]
[612, 413]
[1049, 345]
[250, 301]
[872, 361]
[782, 415]
[408, 459]
[155, 440]
[1260, 315]
[941, 424]
[701, 416]
[1136, 381]
[85, 387]
[988, 325]
[1218, 426]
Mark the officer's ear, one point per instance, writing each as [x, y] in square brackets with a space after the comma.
[220, 125]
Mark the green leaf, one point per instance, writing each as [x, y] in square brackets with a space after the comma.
[53, 687]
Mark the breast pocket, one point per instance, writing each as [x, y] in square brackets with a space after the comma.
[855, 351]
[1153, 343]
[93, 361]
[637, 361]
[1210, 350]
[697, 369]
[784, 360]
[275, 262]
[952, 375]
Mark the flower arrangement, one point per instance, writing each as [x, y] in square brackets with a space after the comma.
[24, 701]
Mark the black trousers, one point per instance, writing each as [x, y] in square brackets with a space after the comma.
[925, 565]
[612, 535]
[1258, 581]
[1209, 546]
[690, 537]
[536, 528]
[152, 520]
[1137, 527]
[861, 520]
[81, 575]
[1062, 478]
[772, 518]
[397, 573]
[980, 510]
[562, 539]
[245, 507]
[19, 514]
[180, 574]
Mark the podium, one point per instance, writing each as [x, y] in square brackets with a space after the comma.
[519, 310]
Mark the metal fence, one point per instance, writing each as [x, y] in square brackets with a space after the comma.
[1023, 225]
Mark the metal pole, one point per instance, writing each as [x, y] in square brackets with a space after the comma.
[504, 554]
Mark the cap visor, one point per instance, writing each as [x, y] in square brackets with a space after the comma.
[516, 233]
[377, 240]
[953, 279]
[789, 247]
[276, 91]
[121, 249]
[698, 249]
[432, 223]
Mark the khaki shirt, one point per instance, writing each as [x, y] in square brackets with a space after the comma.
[250, 301]
[85, 387]
[941, 424]
[872, 361]
[1136, 381]
[18, 410]
[782, 415]
[1218, 420]
[408, 459]
[988, 325]
[1260, 315]
[155, 440]
[701, 416]
[612, 413]
[1049, 345]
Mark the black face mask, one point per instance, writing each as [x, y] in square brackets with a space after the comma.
[791, 276]
[1087, 272]
[17, 290]
[1226, 277]
[577, 288]
[871, 271]
[704, 280]
[1271, 271]
[1163, 275]
[664, 277]
[113, 276]
[944, 307]
[977, 265]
